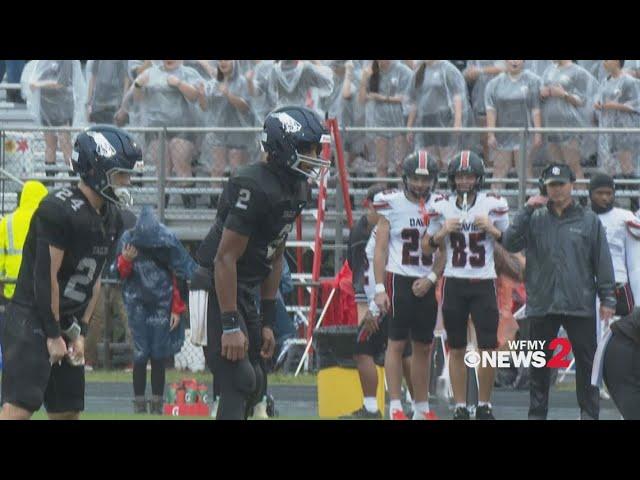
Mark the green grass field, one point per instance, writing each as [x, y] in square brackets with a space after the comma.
[202, 377]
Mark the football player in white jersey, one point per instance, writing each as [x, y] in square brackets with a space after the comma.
[466, 225]
[623, 235]
[405, 280]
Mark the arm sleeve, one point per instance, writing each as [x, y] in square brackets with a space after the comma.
[125, 267]
[515, 236]
[177, 305]
[500, 214]
[53, 224]
[603, 267]
[52, 229]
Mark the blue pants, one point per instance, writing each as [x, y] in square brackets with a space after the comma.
[13, 68]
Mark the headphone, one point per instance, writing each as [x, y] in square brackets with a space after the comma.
[545, 173]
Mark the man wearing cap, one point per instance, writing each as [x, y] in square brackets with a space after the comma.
[622, 228]
[568, 264]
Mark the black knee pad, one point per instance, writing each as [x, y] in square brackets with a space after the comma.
[256, 395]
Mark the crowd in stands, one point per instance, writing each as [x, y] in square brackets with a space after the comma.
[359, 93]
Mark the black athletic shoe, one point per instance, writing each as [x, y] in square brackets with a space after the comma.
[461, 413]
[484, 412]
[363, 414]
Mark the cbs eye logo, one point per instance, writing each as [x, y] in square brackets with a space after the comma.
[522, 354]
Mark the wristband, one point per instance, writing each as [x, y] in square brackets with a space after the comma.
[137, 85]
[84, 328]
[268, 312]
[380, 288]
[432, 277]
[230, 322]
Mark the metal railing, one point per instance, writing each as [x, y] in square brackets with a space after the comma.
[160, 184]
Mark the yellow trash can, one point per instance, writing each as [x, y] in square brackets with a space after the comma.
[339, 389]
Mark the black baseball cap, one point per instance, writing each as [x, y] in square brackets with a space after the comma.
[558, 173]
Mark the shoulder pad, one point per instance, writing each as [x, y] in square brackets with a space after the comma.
[53, 209]
[383, 200]
[497, 205]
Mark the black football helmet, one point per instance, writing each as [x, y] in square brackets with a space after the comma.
[290, 130]
[98, 153]
[466, 162]
[417, 164]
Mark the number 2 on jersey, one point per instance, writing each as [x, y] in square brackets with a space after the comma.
[410, 247]
[84, 276]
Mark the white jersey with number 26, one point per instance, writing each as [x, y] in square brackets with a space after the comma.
[406, 222]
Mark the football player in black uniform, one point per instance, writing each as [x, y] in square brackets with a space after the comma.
[71, 234]
[244, 249]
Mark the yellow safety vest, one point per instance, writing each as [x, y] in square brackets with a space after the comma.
[13, 232]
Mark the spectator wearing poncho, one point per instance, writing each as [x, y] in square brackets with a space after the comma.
[151, 262]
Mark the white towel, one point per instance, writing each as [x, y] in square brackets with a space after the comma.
[598, 359]
[198, 303]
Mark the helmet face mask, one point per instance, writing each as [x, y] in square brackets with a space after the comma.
[290, 136]
[115, 192]
[311, 166]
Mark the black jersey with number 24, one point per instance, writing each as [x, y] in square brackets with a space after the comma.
[66, 220]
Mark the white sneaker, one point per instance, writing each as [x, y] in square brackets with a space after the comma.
[604, 395]
[214, 408]
[260, 410]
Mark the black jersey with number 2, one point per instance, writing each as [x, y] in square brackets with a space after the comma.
[261, 203]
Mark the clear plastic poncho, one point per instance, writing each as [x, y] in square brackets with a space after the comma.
[109, 84]
[335, 104]
[595, 68]
[558, 112]
[514, 101]
[434, 100]
[394, 82]
[57, 93]
[147, 291]
[222, 113]
[344, 110]
[479, 86]
[262, 102]
[537, 66]
[290, 81]
[625, 90]
[164, 105]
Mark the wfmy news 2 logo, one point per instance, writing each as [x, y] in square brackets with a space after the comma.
[522, 353]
